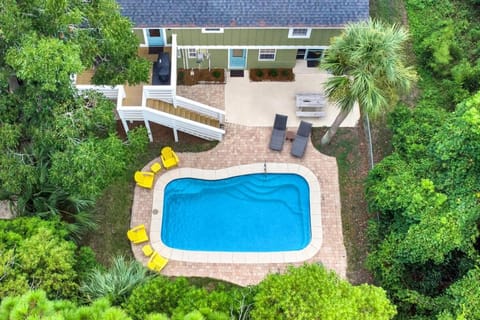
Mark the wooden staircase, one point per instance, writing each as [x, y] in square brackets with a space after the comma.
[182, 112]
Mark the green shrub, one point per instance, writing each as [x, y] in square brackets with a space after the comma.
[216, 74]
[312, 292]
[160, 295]
[116, 283]
[286, 73]
[273, 73]
[259, 73]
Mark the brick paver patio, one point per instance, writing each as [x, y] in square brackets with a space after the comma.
[243, 145]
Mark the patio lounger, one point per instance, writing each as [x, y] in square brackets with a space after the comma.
[301, 139]
[278, 132]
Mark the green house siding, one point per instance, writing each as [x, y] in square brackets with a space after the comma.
[139, 34]
[218, 59]
[250, 37]
[283, 59]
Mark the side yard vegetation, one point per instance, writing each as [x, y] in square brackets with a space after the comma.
[424, 249]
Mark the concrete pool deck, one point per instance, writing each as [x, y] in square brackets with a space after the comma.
[245, 145]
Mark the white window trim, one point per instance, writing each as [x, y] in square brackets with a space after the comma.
[212, 30]
[269, 52]
[293, 36]
[192, 53]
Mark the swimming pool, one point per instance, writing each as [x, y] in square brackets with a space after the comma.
[197, 236]
[262, 212]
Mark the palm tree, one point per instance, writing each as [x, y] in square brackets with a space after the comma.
[366, 63]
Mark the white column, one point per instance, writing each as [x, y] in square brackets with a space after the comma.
[149, 131]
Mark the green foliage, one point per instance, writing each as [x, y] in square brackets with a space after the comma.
[426, 195]
[63, 61]
[181, 300]
[35, 305]
[36, 255]
[259, 73]
[367, 66]
[311, 292]
[116, 283]
[273, 72]
[87, 168]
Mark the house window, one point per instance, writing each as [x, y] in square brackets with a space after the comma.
[299, 33]
[192, 53]
[212, 30]
[267, 54]
[154, 33]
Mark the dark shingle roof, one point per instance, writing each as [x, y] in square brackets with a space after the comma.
[244, 13]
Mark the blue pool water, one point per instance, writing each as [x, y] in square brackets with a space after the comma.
[249, 213]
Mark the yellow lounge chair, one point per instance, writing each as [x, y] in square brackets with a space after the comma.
[144, 179]
[157, 262]
[147, 250]
[138, 234]
[169, 158]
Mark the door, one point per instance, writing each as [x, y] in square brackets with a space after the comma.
[155, 38]
[237, 58]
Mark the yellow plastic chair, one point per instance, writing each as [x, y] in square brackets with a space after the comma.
[157, 262]
[156, 167]
[138, 234]
[144, 179]
[169, 157]
[147, 250]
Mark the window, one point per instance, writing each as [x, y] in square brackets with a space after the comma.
[267, 54]
[192, 53]
[302, 33]
[212, 30]
[154, 33]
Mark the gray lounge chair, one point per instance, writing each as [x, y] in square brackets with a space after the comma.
[278, 133]
[301, 139]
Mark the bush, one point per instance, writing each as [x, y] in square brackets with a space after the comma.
[259, 73]
[216, 74]
[311, 292]
[116, 283]
[273, 72]
[285, 73]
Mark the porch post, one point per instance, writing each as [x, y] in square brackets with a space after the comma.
[175, 134]
[149, 131]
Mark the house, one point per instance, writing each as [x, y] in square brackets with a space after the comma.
[230, 35]
[242, 34]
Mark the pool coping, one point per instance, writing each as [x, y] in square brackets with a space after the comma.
[238, 257]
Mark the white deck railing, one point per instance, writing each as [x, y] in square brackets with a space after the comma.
[164, 93]
[185, 125]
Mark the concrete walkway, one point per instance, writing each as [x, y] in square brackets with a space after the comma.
[255, 103]
[243, 145]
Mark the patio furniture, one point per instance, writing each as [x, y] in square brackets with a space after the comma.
[157, 262]
[301, 139]
[310, 105]
[147, 250]
[169, 157]
[278, 132]
[137, 234]
[156, 167]
[144, 179]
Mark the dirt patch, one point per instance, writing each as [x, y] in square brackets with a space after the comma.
[190, 77]
[350, 148]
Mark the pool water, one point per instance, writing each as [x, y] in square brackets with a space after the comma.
[249, 213]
